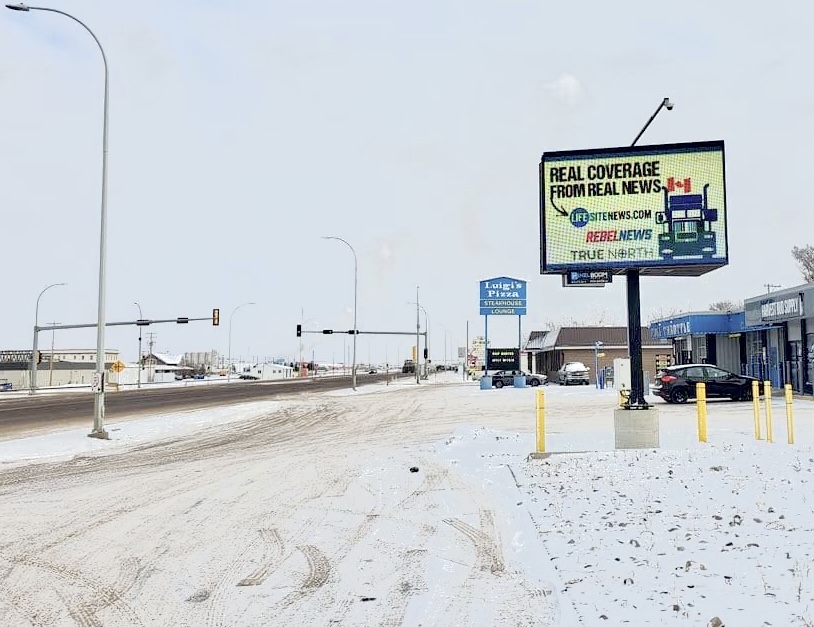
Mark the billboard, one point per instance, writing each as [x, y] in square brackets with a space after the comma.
[503, 296]
[503, 359]
[659, 209]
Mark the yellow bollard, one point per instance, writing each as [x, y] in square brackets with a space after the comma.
[540, 421]
[701, 407]
[756, 408]
[789, 412]
[767, 397]
[624, 394]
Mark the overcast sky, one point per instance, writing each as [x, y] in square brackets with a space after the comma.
[242, 132]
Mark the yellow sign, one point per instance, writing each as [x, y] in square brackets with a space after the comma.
[654, 208]
[118, 366]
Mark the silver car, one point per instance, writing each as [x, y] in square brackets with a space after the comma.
[574, 372]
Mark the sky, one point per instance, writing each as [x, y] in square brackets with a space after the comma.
[242, 133]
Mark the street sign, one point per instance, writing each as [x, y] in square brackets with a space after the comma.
[503, 296]
[97, 382]
[461, 352]
[586, 278]
[118, 366]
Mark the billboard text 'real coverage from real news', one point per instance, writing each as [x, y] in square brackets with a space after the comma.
[641, 207]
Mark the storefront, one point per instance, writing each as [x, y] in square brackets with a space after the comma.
[707, 337]
[780, 337]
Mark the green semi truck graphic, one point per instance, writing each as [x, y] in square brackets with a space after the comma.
[686, 221]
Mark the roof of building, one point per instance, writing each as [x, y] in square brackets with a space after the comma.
[584, 337]
[535, 341]
[170, 360]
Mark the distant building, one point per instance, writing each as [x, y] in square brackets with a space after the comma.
[268, 371]
[63, 366]
[161, 363]
[208, 360]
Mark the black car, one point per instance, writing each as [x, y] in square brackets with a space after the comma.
[676, 384]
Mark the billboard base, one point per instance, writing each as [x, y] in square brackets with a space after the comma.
[636, 428]
[486, 382]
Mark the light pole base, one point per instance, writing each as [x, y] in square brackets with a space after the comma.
[99, 435]
[636, 429]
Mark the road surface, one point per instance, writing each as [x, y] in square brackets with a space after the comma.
[69, 408]
[307, 515]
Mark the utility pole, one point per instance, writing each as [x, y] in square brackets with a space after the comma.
[769, 287]
[150, 344]
[51, 360]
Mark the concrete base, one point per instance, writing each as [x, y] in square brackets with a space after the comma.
[486, 383]
[636, 428]
[519, 381]
[99, 435]
[537, 455]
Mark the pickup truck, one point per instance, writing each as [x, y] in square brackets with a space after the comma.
[503, 378]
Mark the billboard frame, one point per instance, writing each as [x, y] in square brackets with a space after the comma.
[677, 267]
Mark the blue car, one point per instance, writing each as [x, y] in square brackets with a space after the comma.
[5, 385]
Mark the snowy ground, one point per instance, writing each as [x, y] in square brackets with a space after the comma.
[306, 512]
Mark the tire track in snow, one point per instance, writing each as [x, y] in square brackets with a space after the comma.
[274, 551]
[410, 580]
[20, 603]
[84, 610]
[488, 554]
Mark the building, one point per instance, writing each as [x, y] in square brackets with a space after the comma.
[565, 344]
[72, 366]
[202, 360]
[706, 337]
[533, 347]
[269, 371]
[780, 337]
[161, 364]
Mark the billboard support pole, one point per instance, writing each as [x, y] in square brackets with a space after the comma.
[634, 339]
[634, 307]
[485, 345]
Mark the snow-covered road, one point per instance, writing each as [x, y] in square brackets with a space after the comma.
[404, 506]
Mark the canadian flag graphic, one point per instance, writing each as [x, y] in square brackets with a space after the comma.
[685, 185]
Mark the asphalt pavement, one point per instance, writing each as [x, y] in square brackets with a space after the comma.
[66, 408]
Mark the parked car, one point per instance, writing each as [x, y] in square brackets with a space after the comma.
[5, 385]
[676, 384]
[573, 372]
[503, 378]
[409, 366]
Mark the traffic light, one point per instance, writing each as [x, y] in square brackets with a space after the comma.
[299, 330]
[215, 317]
[426, 353]
[39, 357]
[327, 331]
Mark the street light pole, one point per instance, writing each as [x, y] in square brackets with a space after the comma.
[32, 388]
[99, 391]
[417, 337]
[140, 317]
[51, 358]
[229, 359]
[426, 338]
[634, 307]
[355, 294]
